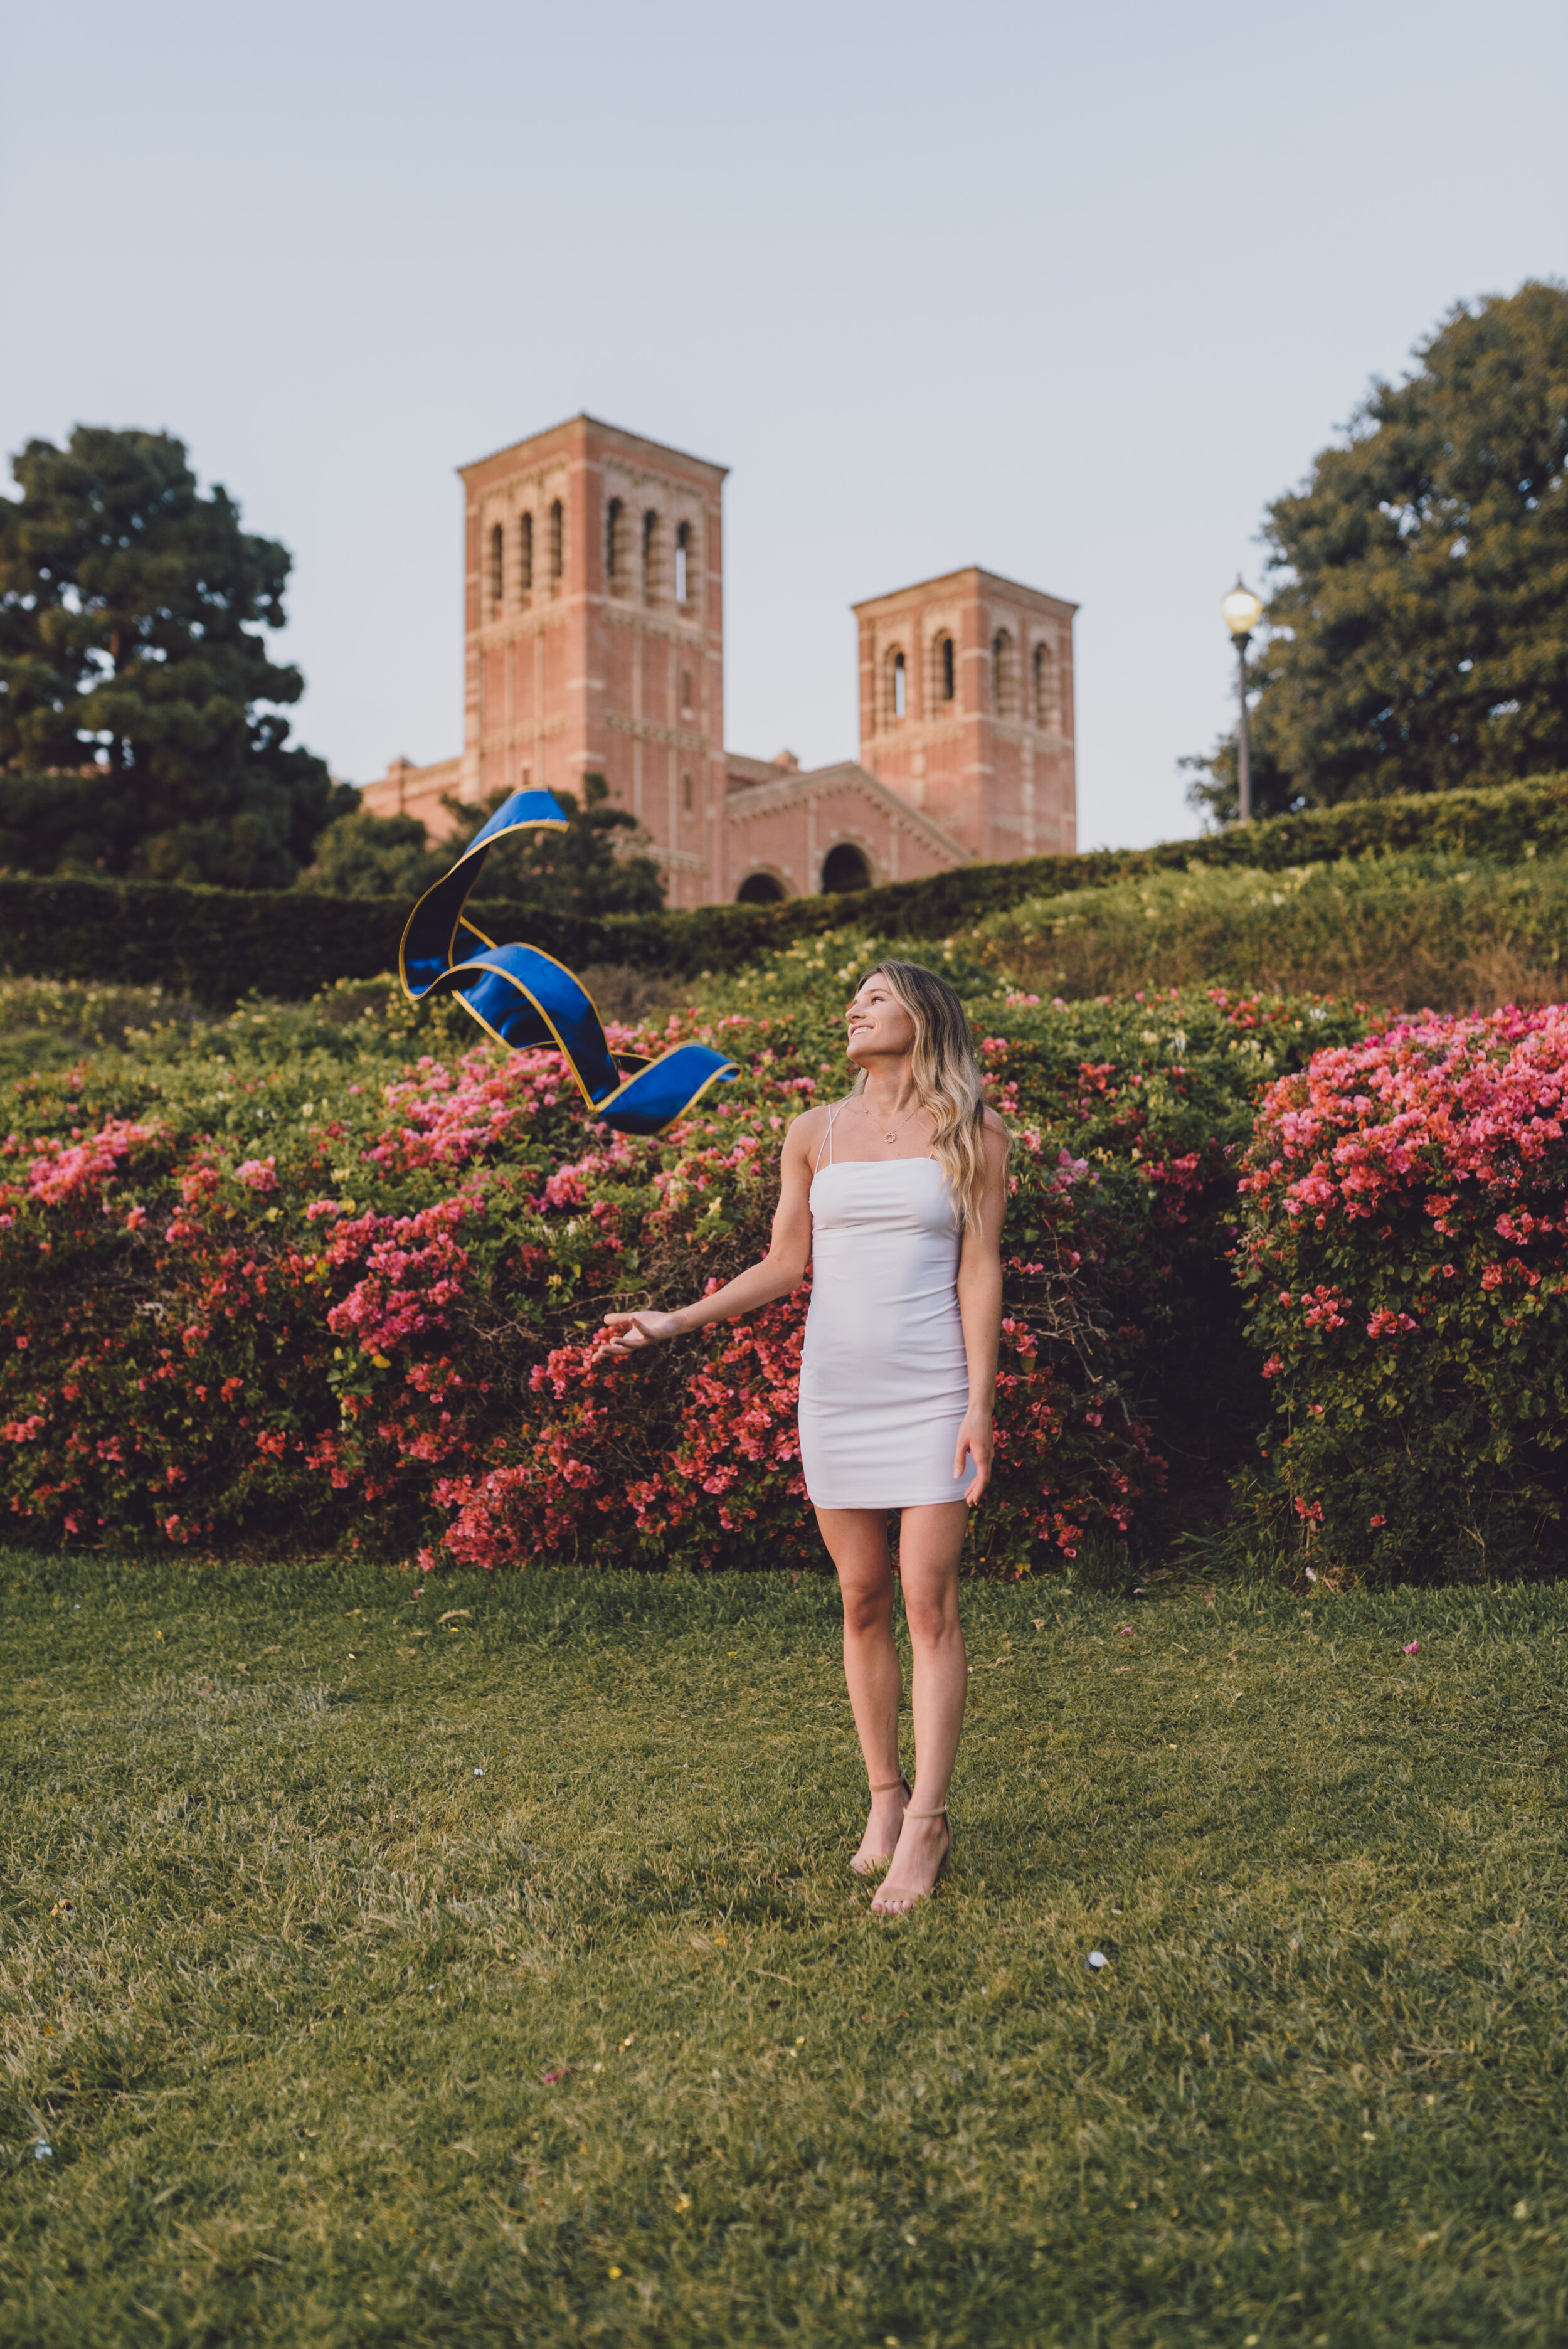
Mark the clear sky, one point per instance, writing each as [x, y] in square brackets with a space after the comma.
[1070, 292]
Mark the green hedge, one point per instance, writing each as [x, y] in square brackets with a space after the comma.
[216, 945]
[1506, 822]
[1412, 930]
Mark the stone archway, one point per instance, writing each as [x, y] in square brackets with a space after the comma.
[845, 867]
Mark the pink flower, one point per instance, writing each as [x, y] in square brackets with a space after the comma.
[530, 1448]
[1414, 1647]
[59, 1173]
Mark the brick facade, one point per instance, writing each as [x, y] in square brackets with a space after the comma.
[593, 643]
[408, 790]
[966, 709]
[793, 832]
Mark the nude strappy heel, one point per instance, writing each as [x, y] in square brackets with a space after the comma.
[941, 1865]
[942, 1814]
[882, 1787]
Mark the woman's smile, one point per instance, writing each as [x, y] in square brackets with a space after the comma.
[877, 1016]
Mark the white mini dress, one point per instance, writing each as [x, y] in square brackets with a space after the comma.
[885, 1384]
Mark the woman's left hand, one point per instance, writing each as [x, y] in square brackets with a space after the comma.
[975, 1443]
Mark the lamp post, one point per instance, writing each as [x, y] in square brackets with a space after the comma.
[1242, 612]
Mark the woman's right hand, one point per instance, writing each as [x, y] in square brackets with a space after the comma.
[630, 1333]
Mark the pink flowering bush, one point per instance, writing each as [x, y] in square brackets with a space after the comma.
[294, 1286]
[1405, 1210]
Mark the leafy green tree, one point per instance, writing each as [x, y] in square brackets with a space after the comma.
[595, 867]
[133, 679]
[361, 854]
[1419, 628]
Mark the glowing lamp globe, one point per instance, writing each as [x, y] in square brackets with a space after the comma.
[1241, 609]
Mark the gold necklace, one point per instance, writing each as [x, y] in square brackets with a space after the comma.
[893, 1136]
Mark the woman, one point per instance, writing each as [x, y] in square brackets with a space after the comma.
[894, 1196]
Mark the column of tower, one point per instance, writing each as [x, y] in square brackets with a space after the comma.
[594, 634]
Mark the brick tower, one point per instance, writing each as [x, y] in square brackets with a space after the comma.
[593, 644]
[593, 635]
[966, 709]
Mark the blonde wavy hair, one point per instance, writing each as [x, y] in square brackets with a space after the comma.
[947, 1079]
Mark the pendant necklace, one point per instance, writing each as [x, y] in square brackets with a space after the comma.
[893, 1136]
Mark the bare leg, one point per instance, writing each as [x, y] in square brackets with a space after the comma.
[929, 1544]
[857, 1544]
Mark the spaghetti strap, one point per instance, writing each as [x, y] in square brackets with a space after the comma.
[827, 1142]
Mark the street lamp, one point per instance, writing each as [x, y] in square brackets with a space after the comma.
[1242, 612]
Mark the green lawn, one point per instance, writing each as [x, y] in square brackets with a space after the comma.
[339, 2041]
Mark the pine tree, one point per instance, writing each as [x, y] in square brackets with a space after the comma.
[141, 720]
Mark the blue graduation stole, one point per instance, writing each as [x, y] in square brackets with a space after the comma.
[525, 998]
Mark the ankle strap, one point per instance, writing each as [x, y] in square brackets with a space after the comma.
[880, 1786]
[942, 1814]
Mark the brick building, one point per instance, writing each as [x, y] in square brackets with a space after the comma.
[593, 643]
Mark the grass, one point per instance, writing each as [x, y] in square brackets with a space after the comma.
[1411, 930]
[339, 2041]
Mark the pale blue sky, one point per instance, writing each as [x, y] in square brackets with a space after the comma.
[1067, 292]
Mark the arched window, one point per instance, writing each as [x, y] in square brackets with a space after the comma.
[1047, 691]
[557, 542]
[845, 867]
[1002, 674]
[900, 687]
[525, 555]
[498, 557]
[759, 889]
[683, 561]
[649, 556]
[945, 668]
[613, 542]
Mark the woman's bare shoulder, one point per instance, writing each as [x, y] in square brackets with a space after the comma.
[805, 1131]
[996, 1131]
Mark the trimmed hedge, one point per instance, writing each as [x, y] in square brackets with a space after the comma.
[218, 945]
[215, 945]
[1411, 929]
